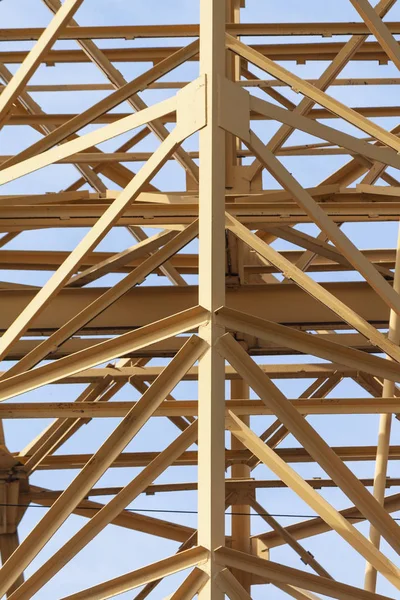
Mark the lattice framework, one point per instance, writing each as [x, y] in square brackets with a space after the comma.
[229, 325]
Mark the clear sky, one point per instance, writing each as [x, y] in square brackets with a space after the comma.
[119, 550]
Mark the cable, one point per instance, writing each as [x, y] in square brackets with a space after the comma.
[193, 512]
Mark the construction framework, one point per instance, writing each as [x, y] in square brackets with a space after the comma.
[234, 300]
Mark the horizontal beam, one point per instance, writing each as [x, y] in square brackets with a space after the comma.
[299, 53]
[175, 85]
[127, 32]
[168, 348]
[322, 149]
[316, 113]
[189, 458]
[277, 371]
[231, 485]
[47, 260]
[88, 158]
[189, 408]
[141, 306]
[181, 211]
[175, 216]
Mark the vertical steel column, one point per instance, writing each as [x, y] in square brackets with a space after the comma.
[241, 511]
[211, 496]
[239, 389]
[385, 426]
[232, 71]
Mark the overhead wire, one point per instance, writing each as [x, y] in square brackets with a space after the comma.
[195, 512]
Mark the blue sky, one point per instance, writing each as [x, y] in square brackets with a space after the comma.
[116, 550]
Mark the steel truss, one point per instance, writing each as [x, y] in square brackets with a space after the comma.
[65, 332]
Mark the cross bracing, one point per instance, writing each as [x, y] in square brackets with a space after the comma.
[199, 262]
